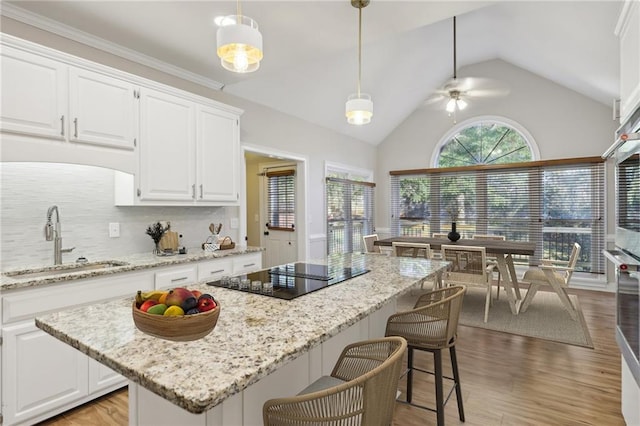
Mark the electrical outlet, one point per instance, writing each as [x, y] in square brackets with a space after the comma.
[233, 223]
[114, 230]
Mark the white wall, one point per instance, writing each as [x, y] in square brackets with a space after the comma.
[563, 123]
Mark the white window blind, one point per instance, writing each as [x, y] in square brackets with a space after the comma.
[552, 203]
[281, 192]
[350, 207]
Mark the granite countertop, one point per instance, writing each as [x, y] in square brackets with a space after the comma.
[129, 263]
[254, 336]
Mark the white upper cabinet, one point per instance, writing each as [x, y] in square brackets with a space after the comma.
[101, 109]
[167, 147]
[188, 153]
[628, 31]
[45, 98]
[217, 153]
[34, 94]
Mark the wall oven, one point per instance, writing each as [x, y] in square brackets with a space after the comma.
[626, 255]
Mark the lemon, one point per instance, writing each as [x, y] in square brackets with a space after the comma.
[173, 311]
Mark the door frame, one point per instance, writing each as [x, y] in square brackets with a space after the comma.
[302, 180]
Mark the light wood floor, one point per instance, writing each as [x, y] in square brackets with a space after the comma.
[506, 380]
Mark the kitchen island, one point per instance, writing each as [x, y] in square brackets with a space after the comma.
[261, 348]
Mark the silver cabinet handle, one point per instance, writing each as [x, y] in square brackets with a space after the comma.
[178, 279]
[250, 264]
[62, 125]
[193, 191]
[201, 191]
[216, 272]
[75, 123]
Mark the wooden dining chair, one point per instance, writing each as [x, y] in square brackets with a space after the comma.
[408, 249]
[554, 273]
[403, 249]
[491, 260]
[469, 268]
[369, 247]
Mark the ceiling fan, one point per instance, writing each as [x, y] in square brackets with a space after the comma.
[456, 92]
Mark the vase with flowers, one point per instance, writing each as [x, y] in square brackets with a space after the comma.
[156, 231]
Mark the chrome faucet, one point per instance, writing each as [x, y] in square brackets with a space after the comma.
[52, 233]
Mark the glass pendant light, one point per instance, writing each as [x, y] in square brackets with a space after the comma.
[359, 106]
[239, 43]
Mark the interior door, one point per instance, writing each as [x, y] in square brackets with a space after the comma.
[278, 214]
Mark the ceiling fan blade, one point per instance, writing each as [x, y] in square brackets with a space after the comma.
[434, 100]
[487, 93]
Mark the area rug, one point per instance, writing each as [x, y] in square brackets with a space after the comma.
[545, 318]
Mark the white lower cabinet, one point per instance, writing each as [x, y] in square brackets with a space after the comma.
[176, 276]
[40, 374]
[213, 270]
[247, 263]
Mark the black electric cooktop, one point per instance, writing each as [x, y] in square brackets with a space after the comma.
[296, 279]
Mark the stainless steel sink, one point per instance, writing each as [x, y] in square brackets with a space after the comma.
[63, 269]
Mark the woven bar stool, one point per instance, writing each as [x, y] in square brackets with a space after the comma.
[432, 326]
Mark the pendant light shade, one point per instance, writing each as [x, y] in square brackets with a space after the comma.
[239, 43]
[359, 106]
[359, 109]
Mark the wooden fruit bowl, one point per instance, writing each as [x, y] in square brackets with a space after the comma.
[181, 328]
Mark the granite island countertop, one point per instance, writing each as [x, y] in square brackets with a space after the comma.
[254, 336]
[133, 262]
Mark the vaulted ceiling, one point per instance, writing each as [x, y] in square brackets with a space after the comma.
[311, 64]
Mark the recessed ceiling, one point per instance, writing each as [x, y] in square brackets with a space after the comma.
[310, 47]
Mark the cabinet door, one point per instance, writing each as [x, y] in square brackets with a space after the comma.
[39, 373]
[217, 155]
[630, 61]
[101, 109]
[167, 145]
[33, 94]
[102, 377]
[247, 263]
[213, 270]
[179, 276]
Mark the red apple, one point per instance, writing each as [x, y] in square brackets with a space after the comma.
[147, 304]
[205, 304]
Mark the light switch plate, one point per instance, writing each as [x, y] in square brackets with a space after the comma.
[114, 230]
[234, 223]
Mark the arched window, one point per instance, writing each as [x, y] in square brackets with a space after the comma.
[485, 140]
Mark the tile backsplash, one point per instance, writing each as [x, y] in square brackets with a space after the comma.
[84, 196]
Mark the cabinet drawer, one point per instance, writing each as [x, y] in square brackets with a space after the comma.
[176, 277]
[214, 270]
[29, 302]
[247, 263]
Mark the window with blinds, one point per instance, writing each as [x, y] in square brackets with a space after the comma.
[350, 206]
[552, 203]
[281, 191]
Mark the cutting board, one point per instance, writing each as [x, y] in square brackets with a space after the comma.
[169, 241]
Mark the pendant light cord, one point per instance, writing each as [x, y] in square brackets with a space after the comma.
[239, 11]
[359, 47]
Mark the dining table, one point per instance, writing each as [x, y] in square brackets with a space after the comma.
[502, 250]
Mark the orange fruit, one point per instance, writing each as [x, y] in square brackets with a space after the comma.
[163, 298]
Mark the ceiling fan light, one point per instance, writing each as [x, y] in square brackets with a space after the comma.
[239, 44]
[461, 104]
[359, 109]
[451, 105]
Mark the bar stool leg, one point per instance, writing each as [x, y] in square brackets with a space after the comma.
[409, 373]
[437, 361]
[456, 378]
